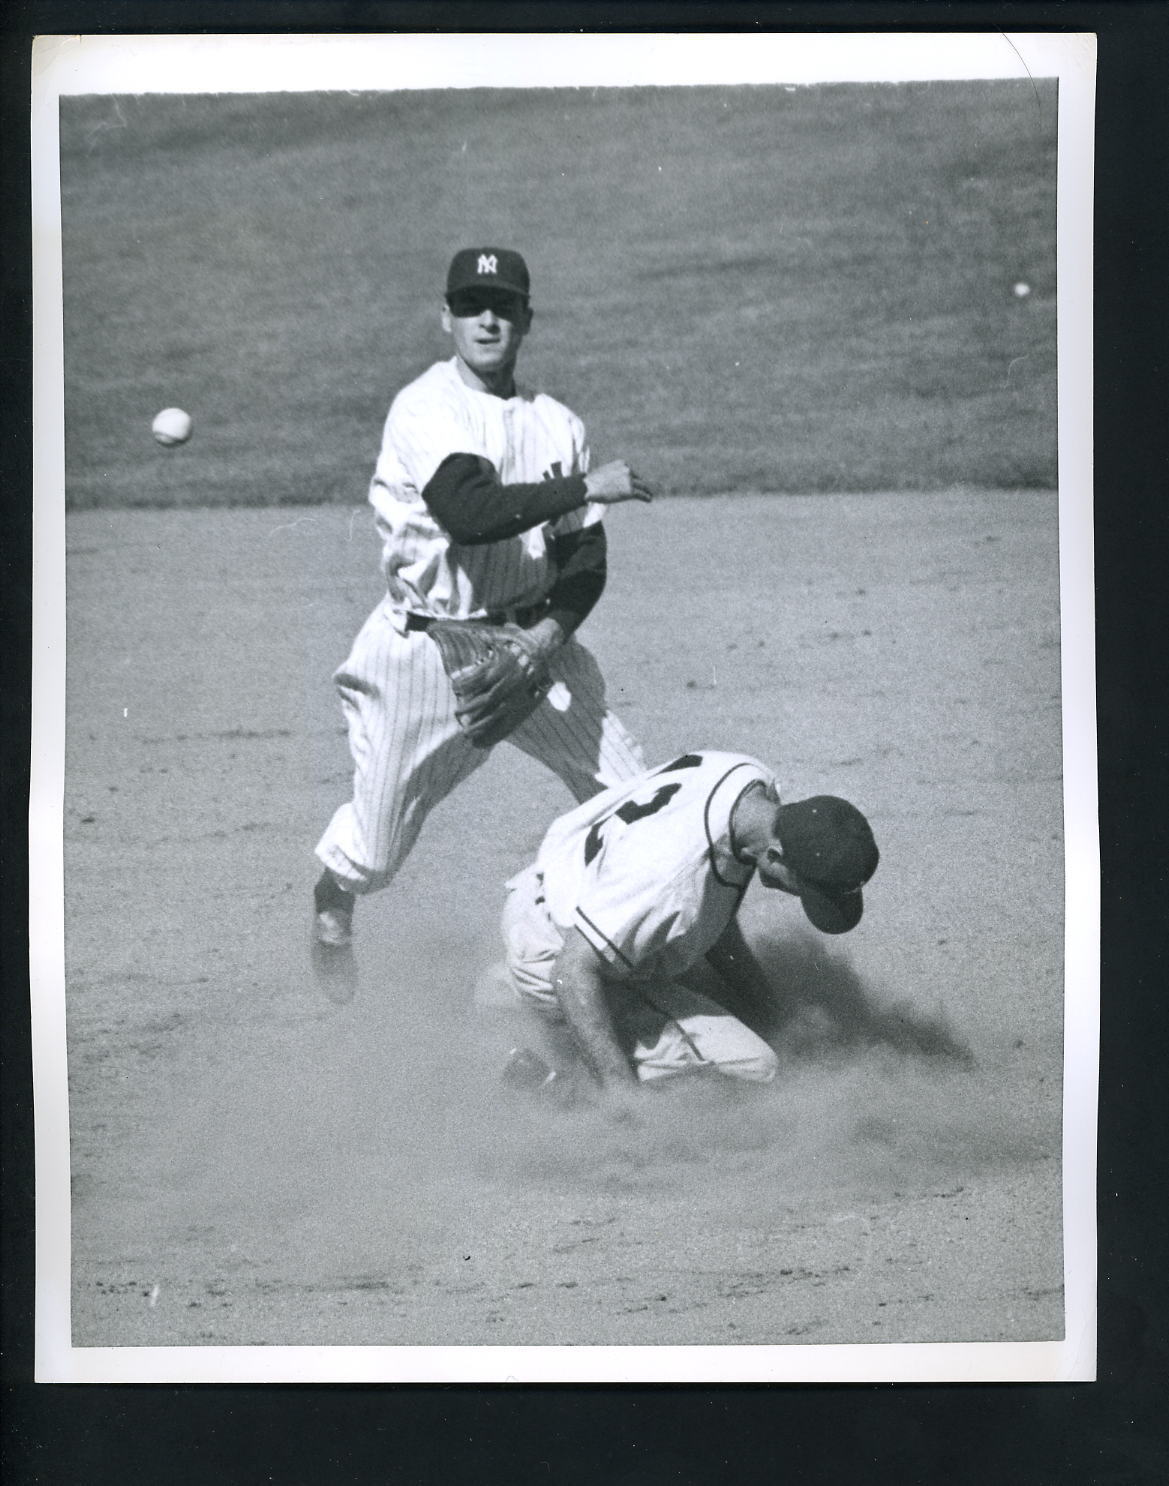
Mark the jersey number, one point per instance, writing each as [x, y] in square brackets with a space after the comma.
[629, 812]
[632, 810]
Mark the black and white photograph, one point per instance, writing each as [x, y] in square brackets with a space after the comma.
[564, 835]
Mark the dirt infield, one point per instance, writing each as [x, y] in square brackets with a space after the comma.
[254, 1165]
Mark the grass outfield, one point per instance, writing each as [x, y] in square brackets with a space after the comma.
[757, 288]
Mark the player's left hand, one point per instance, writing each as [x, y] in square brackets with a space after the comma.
[498, 674]
[539, 641]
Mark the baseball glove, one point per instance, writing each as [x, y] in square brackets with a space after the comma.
[499, 676]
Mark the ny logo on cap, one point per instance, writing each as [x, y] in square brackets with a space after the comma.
[488, 263]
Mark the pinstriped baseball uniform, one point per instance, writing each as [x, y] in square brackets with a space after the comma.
[646, 873]
[526, 437]
[408, 750]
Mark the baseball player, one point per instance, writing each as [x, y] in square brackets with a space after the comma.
[492, 542]
[634, 887]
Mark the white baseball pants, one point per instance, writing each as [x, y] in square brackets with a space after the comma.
[664, 1027]
[409, 752]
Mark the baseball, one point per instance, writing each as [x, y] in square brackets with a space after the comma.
[1022, 291]
[172, 426]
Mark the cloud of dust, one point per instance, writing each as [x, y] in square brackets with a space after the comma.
[872, 1096]
[374, 1129]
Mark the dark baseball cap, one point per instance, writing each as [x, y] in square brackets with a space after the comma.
[488, 268]
[830, 844]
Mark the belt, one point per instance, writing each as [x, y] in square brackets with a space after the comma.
[523, 617]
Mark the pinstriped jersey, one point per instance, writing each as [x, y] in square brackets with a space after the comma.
[645, 869]
[527, 437]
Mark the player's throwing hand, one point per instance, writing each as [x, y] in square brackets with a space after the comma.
[611, 483]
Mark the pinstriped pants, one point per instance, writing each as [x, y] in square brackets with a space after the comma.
[409, 752]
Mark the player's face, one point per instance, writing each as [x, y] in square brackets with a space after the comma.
[774, 872]
[488, 328]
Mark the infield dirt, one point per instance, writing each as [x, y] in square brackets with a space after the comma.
[255, 1165]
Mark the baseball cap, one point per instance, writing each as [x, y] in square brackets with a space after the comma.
[488, 268]
[830, 844]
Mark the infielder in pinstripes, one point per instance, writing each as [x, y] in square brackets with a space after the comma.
[634, 887]
[488, 513]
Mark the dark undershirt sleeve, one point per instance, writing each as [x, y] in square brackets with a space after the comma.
[466, 499]
[580, 580]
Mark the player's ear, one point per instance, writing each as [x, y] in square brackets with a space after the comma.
[446, 317]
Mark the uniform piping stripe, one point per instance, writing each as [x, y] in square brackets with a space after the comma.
[706, 820]
[601, 935]
[670, 1017]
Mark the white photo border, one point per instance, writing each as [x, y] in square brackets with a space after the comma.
[72, 65]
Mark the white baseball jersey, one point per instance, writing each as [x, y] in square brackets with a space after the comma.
[408, 749]
[528, 437]
[645, 869]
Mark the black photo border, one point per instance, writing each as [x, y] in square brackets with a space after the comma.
[1111, 1431]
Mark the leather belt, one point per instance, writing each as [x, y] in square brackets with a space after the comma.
[523, 617]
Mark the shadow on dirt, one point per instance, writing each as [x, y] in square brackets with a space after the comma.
[821, 1003]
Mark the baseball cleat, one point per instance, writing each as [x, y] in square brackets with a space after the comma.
[333, 960]
[333, 929]
[528, 1071]
[530, 1074]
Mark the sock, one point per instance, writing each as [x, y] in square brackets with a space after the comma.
[328, 893]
